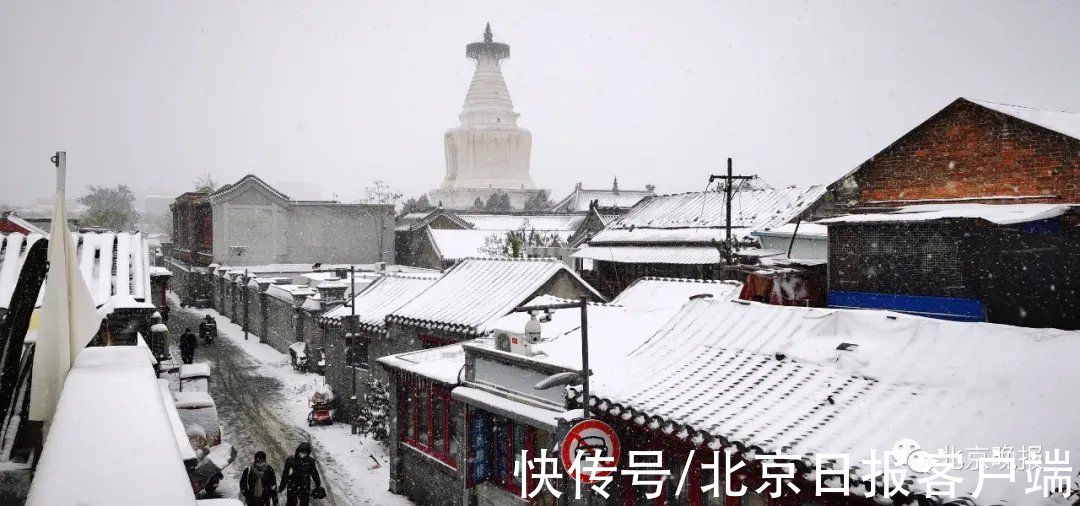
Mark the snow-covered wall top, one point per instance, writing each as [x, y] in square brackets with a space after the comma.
[113, 265]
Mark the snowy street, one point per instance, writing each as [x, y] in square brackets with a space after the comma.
[263, 406]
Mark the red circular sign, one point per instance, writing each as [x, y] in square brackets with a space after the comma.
[590, 436]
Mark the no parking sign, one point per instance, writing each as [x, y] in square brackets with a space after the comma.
[590, 437]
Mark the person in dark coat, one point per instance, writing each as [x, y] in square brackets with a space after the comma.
[298, 475]
[258, 483]
[187, 346]
[164, 314]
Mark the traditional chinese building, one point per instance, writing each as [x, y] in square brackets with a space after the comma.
[466, 411]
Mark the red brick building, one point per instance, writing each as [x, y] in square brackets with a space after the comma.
[973, 151]
[972, 215]
[193, 228]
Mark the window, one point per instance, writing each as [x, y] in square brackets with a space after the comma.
[496, 451]
[426, 419]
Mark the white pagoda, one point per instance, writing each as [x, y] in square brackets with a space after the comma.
[488, 153]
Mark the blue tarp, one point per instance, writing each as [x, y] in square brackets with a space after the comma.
[945, 308]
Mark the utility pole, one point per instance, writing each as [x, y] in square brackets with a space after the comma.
[728, 180]
[246, 295]
[350, 338]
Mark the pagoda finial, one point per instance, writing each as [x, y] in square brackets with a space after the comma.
[487, 33]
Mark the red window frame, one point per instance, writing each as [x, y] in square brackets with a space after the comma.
[413, 386]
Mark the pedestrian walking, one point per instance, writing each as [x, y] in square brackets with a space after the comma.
[258, 483]
[297, 477]
[164, 314]
[187, 346]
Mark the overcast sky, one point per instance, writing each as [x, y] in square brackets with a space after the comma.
[324, 97]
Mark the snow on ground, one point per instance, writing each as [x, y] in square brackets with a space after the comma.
[348, 459]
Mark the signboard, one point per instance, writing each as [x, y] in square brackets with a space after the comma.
[590, 437]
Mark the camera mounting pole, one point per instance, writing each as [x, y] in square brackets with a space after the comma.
[583, 303]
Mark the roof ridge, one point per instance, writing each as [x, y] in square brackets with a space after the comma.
[981, 101]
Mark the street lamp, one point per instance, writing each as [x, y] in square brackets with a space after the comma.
[565, 378]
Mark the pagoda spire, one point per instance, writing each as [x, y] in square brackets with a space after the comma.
[488, 100]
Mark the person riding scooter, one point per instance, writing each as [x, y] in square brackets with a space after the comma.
[208, 330]
[187, 346]
[297, 476]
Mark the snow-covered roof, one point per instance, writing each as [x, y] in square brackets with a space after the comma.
[580, 199]
[614, 328]
[775, 378]
[24, 224]
[250, 178]
[417, 220]
[288, 293]
[388, 293]
[1000, 214]
[1062, 122]
[656, 291]
[699, 217]
[111, 412]
[451, 244]
[441, 364]
[114, 265]
[476, 291]
[159, 271]
[675, 254]
[806, 230]
[539, 222]
[13, 251]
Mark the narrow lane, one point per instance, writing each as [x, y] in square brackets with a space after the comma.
[245, 401]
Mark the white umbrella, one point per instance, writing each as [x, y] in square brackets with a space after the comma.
[69, 318]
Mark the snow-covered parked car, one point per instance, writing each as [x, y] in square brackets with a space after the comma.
[202, 426]
[195, 377]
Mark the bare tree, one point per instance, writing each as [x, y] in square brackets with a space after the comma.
[378, 192]
[205, 183]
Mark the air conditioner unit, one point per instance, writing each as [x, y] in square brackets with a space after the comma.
[512, 342]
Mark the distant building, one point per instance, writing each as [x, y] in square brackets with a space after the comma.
[971, 215]
[157, 205]
[488, 153]
[440, 238]
[251, 223]
[681, 235]
[610, 201]
[12, 222]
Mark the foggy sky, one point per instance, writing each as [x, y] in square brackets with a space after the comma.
[323, 97]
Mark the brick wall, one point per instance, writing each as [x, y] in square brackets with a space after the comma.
[921, 259]
[966, 151]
